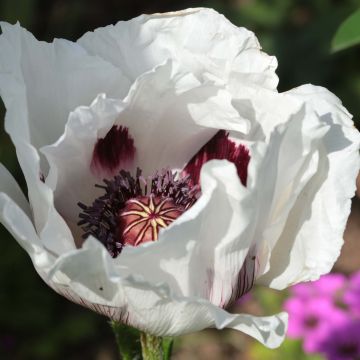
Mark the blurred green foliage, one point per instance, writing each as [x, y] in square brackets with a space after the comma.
[348, 33]
[36, 323]
[290, 349]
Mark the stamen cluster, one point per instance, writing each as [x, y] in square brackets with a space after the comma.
[101, 219]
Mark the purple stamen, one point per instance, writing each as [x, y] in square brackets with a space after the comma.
[102, 218]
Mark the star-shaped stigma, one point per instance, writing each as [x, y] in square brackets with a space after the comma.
[143, 217]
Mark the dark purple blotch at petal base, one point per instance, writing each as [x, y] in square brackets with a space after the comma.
[220, 147]
[116, 150]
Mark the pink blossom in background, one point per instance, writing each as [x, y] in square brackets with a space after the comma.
[312, 319]
[325, 314]
[327, 285]
[343, 342]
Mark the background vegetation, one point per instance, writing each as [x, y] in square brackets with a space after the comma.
[36, 323]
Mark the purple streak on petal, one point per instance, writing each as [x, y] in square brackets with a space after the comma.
[219, 147]
[116, 150]
[245, 278]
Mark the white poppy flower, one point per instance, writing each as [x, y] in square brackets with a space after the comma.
[179, 114]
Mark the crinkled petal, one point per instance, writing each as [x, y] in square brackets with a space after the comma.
[90, 271]
[326, 104]
[176, 316]
[278, 171]
[89, 277]
[9, 186]
[313, 234]
[200, 39]
[165, 113]
[21, 228]
[14, 215]
[40, 83]
[264, 109]
[50, 226]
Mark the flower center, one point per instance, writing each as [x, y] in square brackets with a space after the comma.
[311, 322]
[349, 350]
[142, 218]
[133, 209]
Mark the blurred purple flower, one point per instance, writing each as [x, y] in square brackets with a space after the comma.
[312, 319]
[343, 342]
[352, 294]
[327, 285]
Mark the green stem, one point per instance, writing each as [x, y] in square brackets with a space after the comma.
[135, 345]
[127, 340]
[151, 347]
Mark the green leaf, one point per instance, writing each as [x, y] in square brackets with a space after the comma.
[348, 33]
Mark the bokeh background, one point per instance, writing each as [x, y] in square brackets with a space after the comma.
[36, 323]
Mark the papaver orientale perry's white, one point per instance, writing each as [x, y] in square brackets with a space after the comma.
[177, 121]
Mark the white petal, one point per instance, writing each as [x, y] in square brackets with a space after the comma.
[14, 215]
[176, 316]
[180, 117]
[89, 277]
[9, 186]
[14, 212]
[200, 39]
[313, 234]
[264, 109]
[166, 113]
[255, 68]
[51, 227]
[324, 103]
[19, 225]
[291, 161]
[90, 272]
[40, 83]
